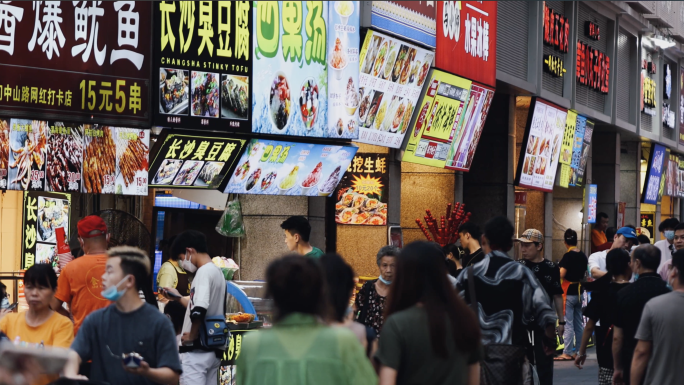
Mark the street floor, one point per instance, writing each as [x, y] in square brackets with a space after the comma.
[566, 373]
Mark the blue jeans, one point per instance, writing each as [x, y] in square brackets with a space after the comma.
[573, 324]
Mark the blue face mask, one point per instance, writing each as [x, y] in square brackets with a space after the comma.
[636, 276]
[669, 234]
[112, 293]
[383, 280]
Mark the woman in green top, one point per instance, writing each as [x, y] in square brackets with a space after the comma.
[430, 335]
[299, 349]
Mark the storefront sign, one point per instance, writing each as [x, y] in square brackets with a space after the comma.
[286, 168]
[593, 68]
[43, 214]
[194, 161]
[202, 56]
[556, 30]
[568, 138]
[78, 60]
[466, 39]
[646, 221]
[343, 71]
[232, 352]
[363, 192]
[672, 176]
[432, 133]
[4, 151]
[467, 134]
[655, 172]
[554, 66]
[621, 214]
[668, 113]
[413, 20]
[681, 105]
[591, 203]
[543, 137]
[680, 177]
[592, 30]
[579, 157]
[521, 198]
[392, 76]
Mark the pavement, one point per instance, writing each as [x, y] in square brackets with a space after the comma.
[566, 373]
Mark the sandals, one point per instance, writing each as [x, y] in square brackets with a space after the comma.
[564, 357]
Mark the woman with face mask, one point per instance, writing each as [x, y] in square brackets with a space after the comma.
[39, 326]
[370, 301]
[171, 273]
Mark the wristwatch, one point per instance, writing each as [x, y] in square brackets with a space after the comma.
[562, 323]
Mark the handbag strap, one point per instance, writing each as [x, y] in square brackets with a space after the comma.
[471, 290]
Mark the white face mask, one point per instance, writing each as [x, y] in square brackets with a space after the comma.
[187, 265]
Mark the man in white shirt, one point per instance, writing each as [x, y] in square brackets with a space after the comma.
[678, 243]
[624, 238]
[666, 246]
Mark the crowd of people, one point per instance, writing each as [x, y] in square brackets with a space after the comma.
[466, 313]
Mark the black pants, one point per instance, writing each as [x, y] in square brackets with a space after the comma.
[543, 362]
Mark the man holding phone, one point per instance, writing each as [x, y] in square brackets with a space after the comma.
[127, 326]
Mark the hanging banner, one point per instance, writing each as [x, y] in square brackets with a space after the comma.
[681, 105]
[466, 39]
[591, 203]
[579, 170]
[539, 160]
[363, 192]
[77, 61]
[270, 167]
[469, 129]
[344, 40]
[441, 110]
[680, 177]
[202, 161]
[43, 213]
[290, 95]
[655, 171]
[412, 20]
[202, 56]
[568, 138]
[392, 76]
[4, 151]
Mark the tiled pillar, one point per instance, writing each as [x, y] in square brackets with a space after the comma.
[630, 186]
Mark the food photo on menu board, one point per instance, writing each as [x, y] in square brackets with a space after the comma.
[362, 195]
[543, 137]
[4, 151]
[99, 160]
[64, 157]
[132, 156]
[438, 120]
[392, 75]
[204, 80]
[287, 168]
[290, 93]
[27, 154]
[343, 70]
[467, 136]
[185, 160]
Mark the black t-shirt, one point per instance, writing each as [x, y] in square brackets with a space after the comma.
[630, 304]
[471, 259]
[602, 307]
[575, 262]
[548, 275]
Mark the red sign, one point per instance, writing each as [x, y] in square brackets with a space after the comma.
[466, 39]
[556, 30]
[520, 197]
[77, 60]
[593, 67]
[592, 31]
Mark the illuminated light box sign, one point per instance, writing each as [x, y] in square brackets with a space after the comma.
[413, 20]
[43, 213]
[186, 160]
[363, 192]
[654, 174]
[543, 136]
[202, 65]
[648, 88]
[78, 61]
[272, 167]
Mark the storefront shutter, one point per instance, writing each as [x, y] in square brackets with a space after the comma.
[512, 38]
[549, 82]
[585, 95]
[625, 46]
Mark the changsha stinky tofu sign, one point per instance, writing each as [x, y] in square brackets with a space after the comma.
[202, 58]
[77, 60]
[188, 161]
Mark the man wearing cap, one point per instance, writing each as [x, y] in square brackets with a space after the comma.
[548, 274]
[80, 282]
[625, 238]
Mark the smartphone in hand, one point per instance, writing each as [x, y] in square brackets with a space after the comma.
[170, 294]
[13, 306]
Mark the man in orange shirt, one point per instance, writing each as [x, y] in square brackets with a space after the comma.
[80, 282]
[598, 234]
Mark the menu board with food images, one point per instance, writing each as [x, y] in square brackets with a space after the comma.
[467, 134]
[202, 54]
[44, 212]
[64, 157]
[343, 73]
[290, 68]
[4, 151]
[184, 160]
[392, 75]
[543, 136]
[287, 168]
[363, 192]
[433, 129]
[579, 162]
[27, 154]
[132, 156]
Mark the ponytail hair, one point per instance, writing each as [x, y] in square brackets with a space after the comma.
[570, 237]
